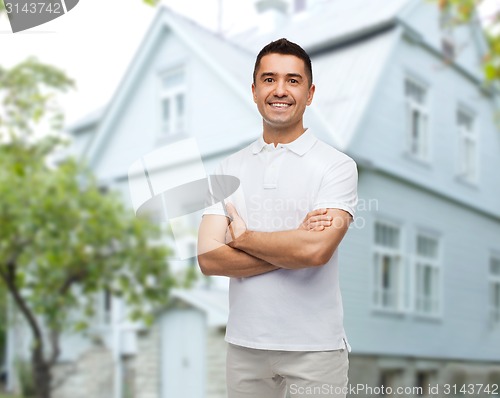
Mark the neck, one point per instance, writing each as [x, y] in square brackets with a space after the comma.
[282, 136]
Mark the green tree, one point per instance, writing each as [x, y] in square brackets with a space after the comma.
[466, 11]
[3, 323]
[62, 240]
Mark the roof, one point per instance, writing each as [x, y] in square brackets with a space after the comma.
[89, 120]
[332, 22]
[344, 85]
[213, 302]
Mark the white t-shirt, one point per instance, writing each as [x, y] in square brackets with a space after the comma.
[292, 310]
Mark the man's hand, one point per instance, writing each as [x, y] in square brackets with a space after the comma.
[236, 226]
[316, 220]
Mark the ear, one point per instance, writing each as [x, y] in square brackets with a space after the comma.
[310, 94]
[253, 93]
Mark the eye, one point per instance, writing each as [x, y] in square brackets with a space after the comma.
[294, 81]
[268, 80]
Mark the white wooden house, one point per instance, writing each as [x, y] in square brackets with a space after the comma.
[403, 95]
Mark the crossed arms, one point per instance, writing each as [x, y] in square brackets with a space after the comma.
[233, 250]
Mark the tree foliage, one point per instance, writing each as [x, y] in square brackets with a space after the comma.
[466, 11]
[62, 240]
[3, 322]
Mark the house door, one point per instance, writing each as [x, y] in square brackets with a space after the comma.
[183, 334]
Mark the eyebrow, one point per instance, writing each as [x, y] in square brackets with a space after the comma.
[272, 74]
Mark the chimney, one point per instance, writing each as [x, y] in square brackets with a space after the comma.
[272, 14]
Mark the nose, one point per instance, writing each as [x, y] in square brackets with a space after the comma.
[280, 89]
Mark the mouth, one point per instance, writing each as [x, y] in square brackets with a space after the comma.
[280, 105]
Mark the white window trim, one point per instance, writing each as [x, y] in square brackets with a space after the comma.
[381, 250]
[425, 142]
[435, 263]
[471, 136]
[171, 93]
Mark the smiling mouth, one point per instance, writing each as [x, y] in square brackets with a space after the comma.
[280, 105]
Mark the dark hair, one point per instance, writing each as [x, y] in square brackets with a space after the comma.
[285, 47]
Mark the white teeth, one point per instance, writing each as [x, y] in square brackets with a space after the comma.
[280, 105]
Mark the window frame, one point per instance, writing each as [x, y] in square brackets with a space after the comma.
[171, 94]
[377, 289]
[462, 167]
[423, 153]
[421, 262]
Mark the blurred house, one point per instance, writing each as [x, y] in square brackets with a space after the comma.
[401, 92]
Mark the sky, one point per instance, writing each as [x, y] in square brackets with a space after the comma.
[95, 42]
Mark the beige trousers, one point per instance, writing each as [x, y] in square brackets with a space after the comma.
[252, 373]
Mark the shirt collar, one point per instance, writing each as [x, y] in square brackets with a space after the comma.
[299, 146]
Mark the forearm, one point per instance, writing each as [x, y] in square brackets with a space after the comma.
[291, 249]
[228, 261]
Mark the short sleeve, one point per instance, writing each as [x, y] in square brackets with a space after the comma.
[339, 187]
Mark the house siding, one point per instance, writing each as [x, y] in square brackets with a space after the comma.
[382, 133]
[466, 238]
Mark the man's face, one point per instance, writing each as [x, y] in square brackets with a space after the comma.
[281, 91]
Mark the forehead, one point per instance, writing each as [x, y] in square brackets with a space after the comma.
[281, 63]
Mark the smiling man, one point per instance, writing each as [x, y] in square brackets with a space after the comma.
[277, 241]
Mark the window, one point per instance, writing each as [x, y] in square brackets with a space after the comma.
[103, 307]
[427, 275]
[173, 102]
[447, 23]
[423, 380]
[387, 293]
[390, 380]
[495, 289]
[467, 146]
[416, 119]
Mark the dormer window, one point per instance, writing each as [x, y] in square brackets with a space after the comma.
[173, 102]
[447, 40]
[448, 48]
